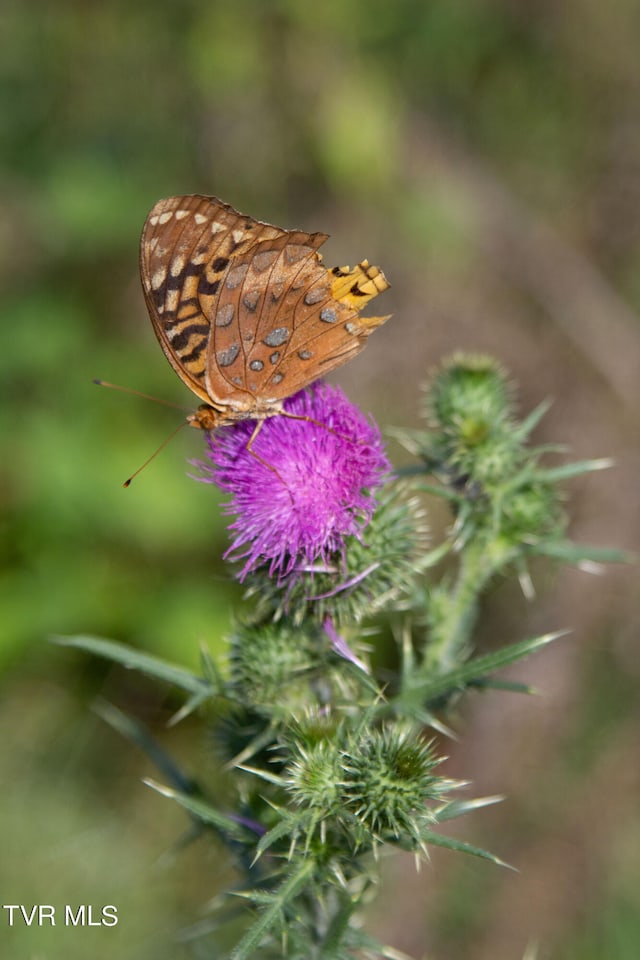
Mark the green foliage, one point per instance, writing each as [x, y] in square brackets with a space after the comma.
[134, 660]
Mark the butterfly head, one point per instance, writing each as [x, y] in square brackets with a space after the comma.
[206, 418]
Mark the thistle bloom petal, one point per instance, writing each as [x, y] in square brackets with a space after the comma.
[340, 645]
[311, 488]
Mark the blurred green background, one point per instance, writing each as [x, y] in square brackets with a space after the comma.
[487, 155]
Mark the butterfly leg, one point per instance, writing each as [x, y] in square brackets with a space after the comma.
[256, 430]
[269, 466]
[318, 423]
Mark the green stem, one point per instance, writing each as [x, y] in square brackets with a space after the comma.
[453, 611]
[271, 914]
[337, 928]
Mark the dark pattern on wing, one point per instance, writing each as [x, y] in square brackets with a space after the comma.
[270, 282]
[323, 332]
[188, 246]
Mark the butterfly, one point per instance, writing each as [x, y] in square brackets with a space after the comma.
[246, 312]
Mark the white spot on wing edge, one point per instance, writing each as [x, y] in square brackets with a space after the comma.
[217, 227]
[153, 220]
[164, 217]
[158, 278]
[199, 218]
[172, 300]
[177, 265]
[181, 214]
[237, 235]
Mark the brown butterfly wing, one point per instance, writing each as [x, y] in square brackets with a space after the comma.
[246, 312]
[186, 248]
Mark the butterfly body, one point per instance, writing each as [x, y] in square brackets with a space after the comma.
[245, 311]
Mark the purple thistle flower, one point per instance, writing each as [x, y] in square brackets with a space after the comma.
[310, 489]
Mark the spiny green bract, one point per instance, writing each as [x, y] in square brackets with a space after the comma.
[470, 396]
[470, 411]
[313, 776]
[389, 778]
[479, 452]
[282, 669]
[532, 510]
[368, 784]
[272, 665]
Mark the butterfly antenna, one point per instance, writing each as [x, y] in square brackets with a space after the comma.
[138, 393]
[155, 453]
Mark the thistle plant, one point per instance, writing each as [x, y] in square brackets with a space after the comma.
[331, 761]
